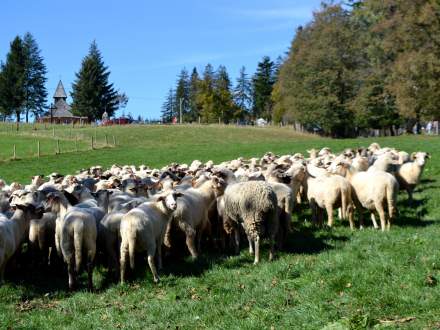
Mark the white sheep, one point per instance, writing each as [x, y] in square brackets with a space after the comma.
[143, 229]
[191, 215]
[408, 174]
[330, 192]
[374, 191]
[75, 236]
[12, 231]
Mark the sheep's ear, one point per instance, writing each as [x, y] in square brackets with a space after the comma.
[428, 155]
[160, 198]
[20, 206]
[413, 155]
[178, 194]
[193, 182]
[72, 199]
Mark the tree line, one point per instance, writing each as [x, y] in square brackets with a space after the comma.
[23, 84]
[365, 64]
[356, 66]
[211, 96]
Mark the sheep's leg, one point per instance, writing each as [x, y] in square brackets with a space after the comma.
[237, 240]
[410, 196]
[153, 267]
[190, 242]
[90, 274]
[251, 248]
[167, 236]
[373, 219]
[257, 250]
[381, 212]
[123, 261]
[71, 272]
[340, 213]
[272, 247]
[159, 255]
[350, 217]
[329, 209]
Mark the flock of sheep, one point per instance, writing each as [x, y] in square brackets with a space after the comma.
[125, 210]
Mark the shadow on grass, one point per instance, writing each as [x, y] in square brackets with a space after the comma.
[413, 214]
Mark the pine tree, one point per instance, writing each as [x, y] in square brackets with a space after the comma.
[182, 93]
[243, 94]
[262, 84]
[194, 84]
[35, 78]
[205, 96]
[12, 80]
[223, 100]
[168, 107]
[92, 94]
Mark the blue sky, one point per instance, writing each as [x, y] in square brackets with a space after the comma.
[146, 43]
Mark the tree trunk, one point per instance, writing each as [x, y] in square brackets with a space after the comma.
[17, 113]
[27, 116]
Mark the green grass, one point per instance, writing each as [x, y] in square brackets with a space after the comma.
[336, 279]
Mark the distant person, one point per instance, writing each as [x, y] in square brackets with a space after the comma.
[429, 128]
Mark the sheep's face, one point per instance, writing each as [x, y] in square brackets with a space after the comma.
[420, 158]
[171, 200]
[23, 197]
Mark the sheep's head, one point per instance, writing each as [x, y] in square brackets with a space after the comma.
[170, 200]
[29, 202]
[420, 157]
[53, 201]
[218, 185]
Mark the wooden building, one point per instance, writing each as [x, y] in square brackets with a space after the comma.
[60, 112]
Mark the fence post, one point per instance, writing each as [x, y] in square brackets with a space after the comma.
[14, 156]
[92, 143]
[106, 140]
[76, 142]
[53, 131]
[58, 146]
[114, 141]
[38, 149]
[199, 120]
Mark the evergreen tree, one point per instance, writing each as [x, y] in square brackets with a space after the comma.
[223, 99]
[262, 84]
[35, 78]
[92, 94]
[194, 110]
[205, 95]
[243, 94]
[168, 112]
[12, 80]
[182, 93]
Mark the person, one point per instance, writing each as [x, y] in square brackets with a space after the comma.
[429, 128]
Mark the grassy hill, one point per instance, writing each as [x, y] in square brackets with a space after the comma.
[336, 279]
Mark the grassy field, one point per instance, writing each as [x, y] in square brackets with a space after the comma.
[334, 279]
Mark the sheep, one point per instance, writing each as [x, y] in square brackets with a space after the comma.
[12, 230]
[75, 236]
[253, 204]
[373, 190]
[191, 215]
[37, 181]
[109, 233]
[328, 192]
[408, 174]
[143, 229]
[42, 236]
